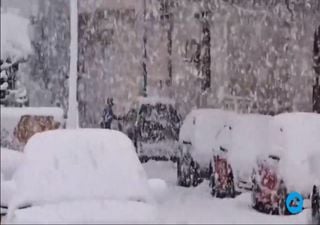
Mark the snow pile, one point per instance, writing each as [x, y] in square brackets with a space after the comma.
[15, 40]
[62, 165]
[10, 116]
[10, 161]
[159, 188]
[249, 139]
[297, 141]
[202, 127]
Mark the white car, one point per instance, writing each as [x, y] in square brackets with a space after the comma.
[198, 138]
[249, 139]
[81, 176]
[296, 139]
[10, 161]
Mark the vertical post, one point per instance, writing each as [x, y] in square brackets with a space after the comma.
[144, 60]
[73, 117]
[166, 18]
[316, 61]
[206, 55]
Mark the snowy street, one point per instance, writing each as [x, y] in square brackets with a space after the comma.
[196, 205]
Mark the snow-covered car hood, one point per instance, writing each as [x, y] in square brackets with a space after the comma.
[86, 212]
[10, 161]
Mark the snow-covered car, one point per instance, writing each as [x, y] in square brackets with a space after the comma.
[294, 157]
[197, 139]
[10, 161]
[154, 128]
[239, 142]
[249, 140]
[81, 176]
[315, 205]
[295, 138]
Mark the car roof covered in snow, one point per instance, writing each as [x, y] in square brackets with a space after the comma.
[201, 128]
[296, 138]
[62, 165]
[156, 100]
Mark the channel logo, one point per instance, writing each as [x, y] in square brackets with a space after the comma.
[294, 203]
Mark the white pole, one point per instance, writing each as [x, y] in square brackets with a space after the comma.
[73, 117]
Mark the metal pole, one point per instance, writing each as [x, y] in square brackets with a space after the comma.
[73, 117]
[144, 60]
[316, 61]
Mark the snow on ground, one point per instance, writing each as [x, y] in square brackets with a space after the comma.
[15, 40]
[195, 205]
[88, 212]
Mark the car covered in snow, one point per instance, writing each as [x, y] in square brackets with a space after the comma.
[294, 155]
[239, 142]
[81, 176]
[154, 126]
[315, 205]
[10, 162]
[197, 139]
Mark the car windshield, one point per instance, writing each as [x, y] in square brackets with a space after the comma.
[158, 122]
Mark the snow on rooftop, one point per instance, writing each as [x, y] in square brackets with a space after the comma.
[63, 165]
[15, 40]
